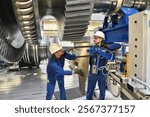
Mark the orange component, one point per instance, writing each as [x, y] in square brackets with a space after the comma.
[127, 65]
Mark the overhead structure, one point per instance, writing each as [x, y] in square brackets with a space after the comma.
[20, 21]
[111, 6]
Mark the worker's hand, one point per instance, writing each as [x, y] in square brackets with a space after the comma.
[79, 72]
[114, 46]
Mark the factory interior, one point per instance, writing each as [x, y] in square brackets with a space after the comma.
[29, 27]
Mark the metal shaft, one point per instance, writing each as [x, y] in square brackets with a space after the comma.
[82, 56]
[110, 6]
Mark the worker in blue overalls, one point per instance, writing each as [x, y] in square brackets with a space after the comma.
[98, 61]
[56, 72]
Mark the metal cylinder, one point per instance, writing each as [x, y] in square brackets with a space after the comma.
[107, 6]
[111, 6]
[83, 64]
[138, 4]
[34, 54]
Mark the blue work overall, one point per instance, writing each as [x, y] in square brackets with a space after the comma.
[99, 58]
[55, 73]
[100, 77]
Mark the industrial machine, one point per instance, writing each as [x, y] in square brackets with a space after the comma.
[20, 33]
[130, 27]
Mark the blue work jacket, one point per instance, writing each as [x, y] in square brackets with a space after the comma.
[101, 61]
[55, 66]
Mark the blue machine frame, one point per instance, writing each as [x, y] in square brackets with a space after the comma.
[117, 29]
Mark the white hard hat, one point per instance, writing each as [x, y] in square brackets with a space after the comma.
[100, 34]
[54, 47]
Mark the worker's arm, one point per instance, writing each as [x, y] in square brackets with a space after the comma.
[69, 56]
[107, 55]
[97, 50]
[114, 46]
[60, 71]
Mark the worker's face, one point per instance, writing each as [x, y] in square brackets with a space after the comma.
[97, 40]
[59, 53]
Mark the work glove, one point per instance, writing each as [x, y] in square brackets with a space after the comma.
[79, 72]
[114, 46]
[99, 51]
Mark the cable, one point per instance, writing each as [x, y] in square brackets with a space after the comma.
[102, 68]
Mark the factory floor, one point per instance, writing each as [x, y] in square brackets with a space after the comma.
[30, 84]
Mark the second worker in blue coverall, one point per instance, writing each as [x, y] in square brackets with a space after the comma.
[56, 72]
[98, 61]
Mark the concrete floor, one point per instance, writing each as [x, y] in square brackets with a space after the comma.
[30, 84]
